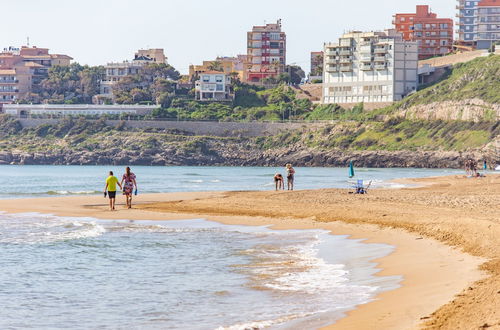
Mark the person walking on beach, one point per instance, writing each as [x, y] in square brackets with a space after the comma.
[279, 181]
[129, 182]
[290, 173]
[110, 189]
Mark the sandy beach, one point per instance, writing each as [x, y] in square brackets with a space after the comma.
[445, 233]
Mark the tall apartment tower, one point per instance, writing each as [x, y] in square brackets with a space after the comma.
[266, 52]
[467, 10]
[434, 35]
[369, 67]
[488, 24]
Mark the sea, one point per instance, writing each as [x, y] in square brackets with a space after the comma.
[87, 273]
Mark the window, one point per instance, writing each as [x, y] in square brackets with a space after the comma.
[402, 19]
[218, 79]
[206, 78]
[220, 87]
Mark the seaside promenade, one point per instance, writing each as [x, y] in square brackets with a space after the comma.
[445, 232]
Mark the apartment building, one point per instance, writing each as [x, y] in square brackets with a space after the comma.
[153, 55]
[226, 64]
[369, 67]
[316, 66]
[434, 35]
[487, 20]
[466, 30]
[266, 52]
[213, 86]
[116, 72]
[22, 69]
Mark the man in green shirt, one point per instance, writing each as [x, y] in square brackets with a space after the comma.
[111, 183]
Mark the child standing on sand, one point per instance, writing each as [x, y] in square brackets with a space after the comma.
[110, 189]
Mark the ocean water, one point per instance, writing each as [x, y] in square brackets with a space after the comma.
[80, 273]
[193, 274]
[40, 181]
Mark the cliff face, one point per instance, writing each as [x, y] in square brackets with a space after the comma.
[469, 110]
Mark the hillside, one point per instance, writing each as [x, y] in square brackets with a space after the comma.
[393, 143]
[471, 91]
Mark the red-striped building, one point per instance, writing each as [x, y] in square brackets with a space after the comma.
[434, 35]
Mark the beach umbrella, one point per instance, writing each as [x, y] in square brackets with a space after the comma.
[351, 169]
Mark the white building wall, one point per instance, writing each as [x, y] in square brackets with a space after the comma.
[365, 82]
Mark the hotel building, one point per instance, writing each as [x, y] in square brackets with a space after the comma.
[369, 67]
[434, 35]
[266, 52]
[22, 69]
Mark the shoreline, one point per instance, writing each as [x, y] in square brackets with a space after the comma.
[424, 290]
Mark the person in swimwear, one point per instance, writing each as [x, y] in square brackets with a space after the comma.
[279, 181]
[290, 173]
[129, 182]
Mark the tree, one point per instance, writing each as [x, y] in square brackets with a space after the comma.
[215, 66]
[296, 74]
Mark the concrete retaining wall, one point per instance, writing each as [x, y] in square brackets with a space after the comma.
[198, 128]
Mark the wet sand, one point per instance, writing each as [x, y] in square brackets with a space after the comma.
[446, 235]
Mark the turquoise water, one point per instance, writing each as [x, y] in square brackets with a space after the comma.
[38, 181]
[80, 273]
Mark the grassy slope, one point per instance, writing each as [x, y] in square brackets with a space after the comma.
[479, 78]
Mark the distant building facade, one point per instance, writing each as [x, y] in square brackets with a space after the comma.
[153, 55]
[22, 69]
[434, 35]
[266, 52]
[58, 110]
[369, 67]
[116, 72]
[488, 24]
[213, 86]
[225, 64]
[316, 66]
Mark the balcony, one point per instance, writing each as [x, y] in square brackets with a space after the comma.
[366, 67]
[345, 52]
[345, 59]
[332, 68]
[380, 67]
[379, 59]
[332, 60]
[345, 68]
[365, 59]
[380, 50]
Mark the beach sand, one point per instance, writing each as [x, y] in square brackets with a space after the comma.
[446, 235]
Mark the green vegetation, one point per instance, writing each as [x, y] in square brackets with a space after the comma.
[477, 79]
[393, 135]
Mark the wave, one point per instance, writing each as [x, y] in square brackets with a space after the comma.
[53, 193]
[33, 228]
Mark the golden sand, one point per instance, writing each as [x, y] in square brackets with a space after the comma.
[446, 235]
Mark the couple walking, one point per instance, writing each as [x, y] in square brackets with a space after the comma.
[126, 185]
[279, 181]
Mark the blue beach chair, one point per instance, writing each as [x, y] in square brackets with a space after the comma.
[360, 188]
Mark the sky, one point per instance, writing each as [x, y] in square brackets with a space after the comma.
[96, 32]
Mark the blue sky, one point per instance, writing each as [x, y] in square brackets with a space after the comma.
[100, 31]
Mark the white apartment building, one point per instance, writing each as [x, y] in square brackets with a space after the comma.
[369, 67]
[213, 86]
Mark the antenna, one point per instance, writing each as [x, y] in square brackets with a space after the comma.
[28, 41]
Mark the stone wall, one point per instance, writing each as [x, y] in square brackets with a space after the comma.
[198, 127]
